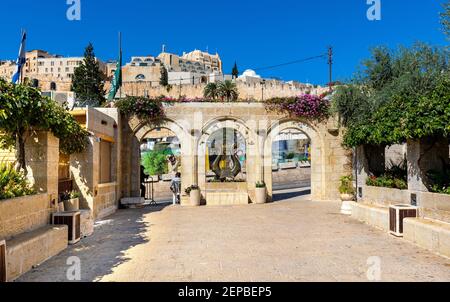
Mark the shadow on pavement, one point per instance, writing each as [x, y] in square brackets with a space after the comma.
[107, 247]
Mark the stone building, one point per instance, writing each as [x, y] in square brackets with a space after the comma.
[47, 71]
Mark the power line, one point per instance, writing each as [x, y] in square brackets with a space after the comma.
[290, 63]
[193, 78]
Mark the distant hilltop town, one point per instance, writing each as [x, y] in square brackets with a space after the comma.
[187, 74]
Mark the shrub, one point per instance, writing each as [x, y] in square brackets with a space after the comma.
[439, 182]
[13, 183]
[260, 184]
[387, 181]
[346, 186]
[155, 163]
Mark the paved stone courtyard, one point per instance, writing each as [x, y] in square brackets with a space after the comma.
[291, 240]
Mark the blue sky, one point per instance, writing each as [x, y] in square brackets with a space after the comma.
[255, 33]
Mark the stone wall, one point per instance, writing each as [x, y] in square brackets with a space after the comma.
[105, 200]
[24, 214]
[100, 198]
[385, 196]
[246, 91]
[422, 156]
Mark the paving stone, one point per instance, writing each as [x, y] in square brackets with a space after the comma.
[293, 240]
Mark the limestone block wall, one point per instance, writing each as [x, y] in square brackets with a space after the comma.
[253, 91]
[42, 159]
[24, 214]
[385, 196]
[100, 198]
[105, 200]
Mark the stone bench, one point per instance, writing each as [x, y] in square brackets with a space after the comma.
[373, 215]
[286, 166]
[28, 250]
[429, 234]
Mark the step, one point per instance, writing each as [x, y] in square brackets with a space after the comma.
[371, 214]
[430, 234]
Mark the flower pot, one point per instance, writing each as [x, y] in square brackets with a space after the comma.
[346, 208]
[72, 205]
[261, 195]
[60, 207]
[346, 197]
[195, 198]
[347, 202]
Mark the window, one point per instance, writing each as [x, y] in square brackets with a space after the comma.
[140, 77]
[53, 86]
[105, 162]
[67, 69]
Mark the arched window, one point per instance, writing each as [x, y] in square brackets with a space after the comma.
[140, 77]
[53, 86]
[35, 83]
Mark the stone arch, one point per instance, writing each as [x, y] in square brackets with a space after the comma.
[139, 130]
[318, 178]
[252, 153]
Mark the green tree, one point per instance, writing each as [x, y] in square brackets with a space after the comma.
[211, 91]
[445, 18]
[88, 80]
[228, 90]
[155, 163]
[235, 71]
[25, 110]
[385, 102]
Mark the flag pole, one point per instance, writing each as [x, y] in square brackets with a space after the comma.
[120, 59]
[21, 71]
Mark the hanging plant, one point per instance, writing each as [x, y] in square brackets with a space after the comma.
[150, 110]
[304, 106]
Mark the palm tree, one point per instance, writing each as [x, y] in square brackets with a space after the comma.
[228, 90]
[211, 91]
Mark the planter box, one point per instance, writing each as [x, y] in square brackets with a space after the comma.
[195, 198]
[434, 201]
[260, 195]
[72, 205]
[385, 196]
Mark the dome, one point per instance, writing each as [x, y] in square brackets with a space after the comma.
[250, 73]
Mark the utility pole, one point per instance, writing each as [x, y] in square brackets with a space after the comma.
[330, 65]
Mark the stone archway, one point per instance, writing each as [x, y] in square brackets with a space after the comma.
[252, 153]
[139, 131]
[317, 155]
[330, 160]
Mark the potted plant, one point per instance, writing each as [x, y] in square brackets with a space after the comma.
[261, 193]
[71, 201]
[194, 194]
[347, 194]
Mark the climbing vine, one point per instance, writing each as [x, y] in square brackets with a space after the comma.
[304, 106]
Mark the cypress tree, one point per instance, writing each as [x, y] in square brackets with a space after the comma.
[88, 81]
[235, 71]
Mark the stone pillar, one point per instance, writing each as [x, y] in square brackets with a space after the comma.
[362, 170]
[425, 155]
[82, 171]
[42, 158]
